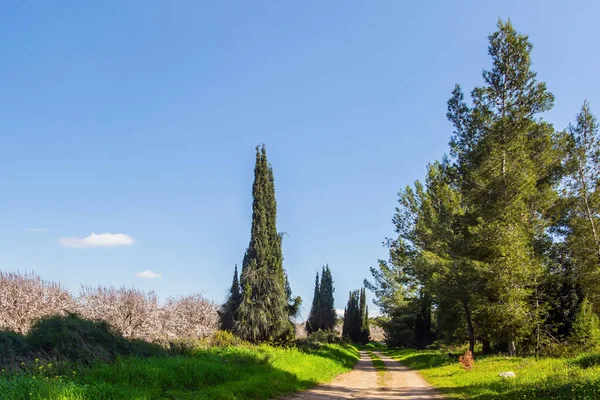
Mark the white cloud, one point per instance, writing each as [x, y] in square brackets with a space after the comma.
[339, 312]
[147, 274]
[38, 229]
[97, 240]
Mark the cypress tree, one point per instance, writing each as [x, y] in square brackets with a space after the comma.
[322, 313]
[345, 323]
[313, 323]
[230, 308]
[353, 318]
[364, 318]
[263, 312]
[327, 307]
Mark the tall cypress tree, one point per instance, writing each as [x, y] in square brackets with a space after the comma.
[353, 318]
[313, 323]
[263, 312]
[327, 307]
[232, 304]
[364, 318]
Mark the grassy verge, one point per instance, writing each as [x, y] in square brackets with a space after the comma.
[539, 378]
[379, 366]
[252, 372]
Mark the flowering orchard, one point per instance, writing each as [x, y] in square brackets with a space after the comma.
[26, 297]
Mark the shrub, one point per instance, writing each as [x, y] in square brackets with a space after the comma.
[466, 360]
[318, 339]
[13, 348]
[324, 336]
[225, 339]
[586, 328]
[219, 339]
[75, 339]
[588, 360]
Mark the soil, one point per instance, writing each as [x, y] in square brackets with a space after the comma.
[363, 382]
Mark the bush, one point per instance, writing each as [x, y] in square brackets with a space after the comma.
[318, 339]
[466, 360]
[13, 348]
[324, 337]
[224, 339]
[75, 339]
[586, 328]
[219, 339]
[588, 360]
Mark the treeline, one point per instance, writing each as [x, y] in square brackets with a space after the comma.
[500, 244]
[356, 318]
[134, 314]
[322, 312]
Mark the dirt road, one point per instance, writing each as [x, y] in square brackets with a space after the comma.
[363, 382]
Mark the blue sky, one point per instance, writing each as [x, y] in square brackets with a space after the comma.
[141, 118]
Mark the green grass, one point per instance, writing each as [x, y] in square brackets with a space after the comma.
[379, 366]
[377, 363]
[254, 372]
[539, 378]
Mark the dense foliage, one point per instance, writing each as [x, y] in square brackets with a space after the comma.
[322, 312]
[263, 309]
[499, 245]
[356, 318]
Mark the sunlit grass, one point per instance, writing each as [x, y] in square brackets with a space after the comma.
[539, 378]
[379, 366]
[254, 372]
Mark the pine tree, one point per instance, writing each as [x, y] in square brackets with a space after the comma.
[263, 314]
[583, 224]
[509, 187]
[313, 323]
[474, 239]
[230, 308]
[328, 315]
[586, 328]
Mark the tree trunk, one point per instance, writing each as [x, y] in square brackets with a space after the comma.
[469, 327]
[584, 192]
[512, 348]
[487, 346]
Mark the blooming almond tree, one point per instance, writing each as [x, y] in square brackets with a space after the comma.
[188, 317]
[25, 298]
[131, 312]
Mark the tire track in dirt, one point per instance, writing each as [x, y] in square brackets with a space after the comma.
[362, 382]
